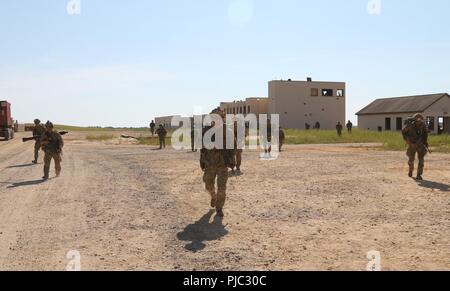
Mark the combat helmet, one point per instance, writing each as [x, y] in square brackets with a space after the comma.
[49, 124]
[219, 111]
[418, 116]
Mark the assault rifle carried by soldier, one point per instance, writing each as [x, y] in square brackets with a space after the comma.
[38, 137]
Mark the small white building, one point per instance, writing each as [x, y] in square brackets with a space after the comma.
[391, 113]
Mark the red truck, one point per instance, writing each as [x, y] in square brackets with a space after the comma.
[6, 122]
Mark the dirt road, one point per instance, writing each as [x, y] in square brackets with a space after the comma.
[129, 207]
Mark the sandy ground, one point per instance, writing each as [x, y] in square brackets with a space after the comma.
[129, 207]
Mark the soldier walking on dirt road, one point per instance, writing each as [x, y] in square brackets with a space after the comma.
[162, 133]
[38, 130]
[52, 144]
[214, 163]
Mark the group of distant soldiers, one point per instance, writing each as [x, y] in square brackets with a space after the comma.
[339, 127]
[161, 132]
[51, 142]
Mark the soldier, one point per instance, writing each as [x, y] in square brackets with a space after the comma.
[339, 128]
[349, 126]
[239, 144]
[52, 144]
[267, 140]
[38, 130]
[193, 147]
[415, 135]
[162, 133]
[214, 163]
[152, 127]
[282, 138]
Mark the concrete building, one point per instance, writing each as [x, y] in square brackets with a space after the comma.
[301, 102]
[391, 113]
[165, 120]
[254, 105]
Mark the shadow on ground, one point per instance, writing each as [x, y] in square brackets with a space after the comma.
[20, 166]
[434, 185]
[201, 231]
[26, 183]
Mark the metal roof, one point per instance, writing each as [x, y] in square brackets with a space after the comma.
[409, 104]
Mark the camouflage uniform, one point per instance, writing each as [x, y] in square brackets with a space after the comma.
[416, 135]
[282, 139]
[215, 163]
[52, 144]
[339, 129]
[152, 128]
[37, 131]
[193, 147]
[349, 126]
[162, 133]
[267, 138]
[236, 160]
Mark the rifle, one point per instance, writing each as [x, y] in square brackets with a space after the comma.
[25, 139]
[427, 148]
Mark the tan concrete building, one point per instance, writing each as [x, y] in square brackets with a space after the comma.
[165, 120]
[301, 102]
[254, 105]
[391, 113]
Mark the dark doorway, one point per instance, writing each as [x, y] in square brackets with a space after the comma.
[399, 123]
[446, 128]
[430, 123]
[387, 123]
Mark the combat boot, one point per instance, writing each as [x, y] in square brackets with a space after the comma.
[419, 178]
[213, 202]
[219, 213]
[46, 172]
[411, 170]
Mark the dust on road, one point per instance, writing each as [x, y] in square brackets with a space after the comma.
[129, 207]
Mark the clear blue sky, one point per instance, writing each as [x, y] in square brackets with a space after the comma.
[121, 63]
